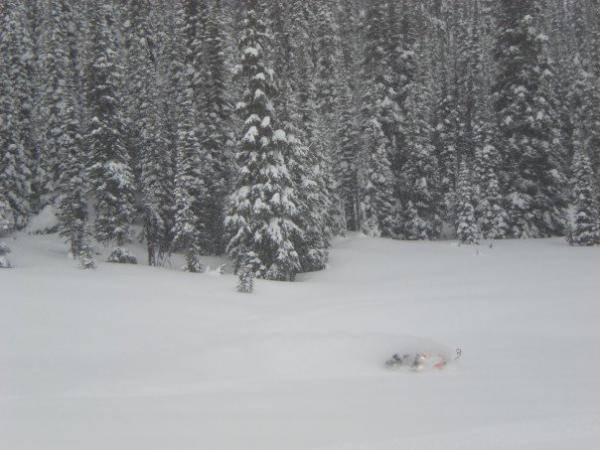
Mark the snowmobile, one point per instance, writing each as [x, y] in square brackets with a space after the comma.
[420, 361]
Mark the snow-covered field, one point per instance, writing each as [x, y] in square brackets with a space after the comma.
[132, 357]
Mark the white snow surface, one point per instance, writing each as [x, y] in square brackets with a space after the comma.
[133, 357]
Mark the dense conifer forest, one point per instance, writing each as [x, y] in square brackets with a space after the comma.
[263, 129]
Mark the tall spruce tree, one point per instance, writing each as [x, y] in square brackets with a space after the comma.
[420, 194]
[21, 66]
[14, 173]
[306, 154]
[327, 94]
[71, 186]
[379, 110]
[492, 218]
[190, 190]
[532, 177]
[110, 174]
[377, 196]
[54, 92]
[346, 170]
[263, 206]
[218, 135]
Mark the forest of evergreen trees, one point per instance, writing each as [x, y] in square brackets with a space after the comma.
[264, 128]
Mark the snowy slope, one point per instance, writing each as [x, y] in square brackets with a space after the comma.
[132, 357]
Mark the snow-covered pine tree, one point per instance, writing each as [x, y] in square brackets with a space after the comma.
[5, 228]
[583, 79]
[263, 206]
[146, 129]
[420, 195]
[54, 90]
[585, 230]
[379, 112]
[110, 174]
[349, 122]
[306, 154]
[467, 229]
[326, 103]
[492, 218]
[170, 79]
[346, 169]
[377, 188]
[445, 142]
[71, 184]
[6, 216]
[195, 17]
[532, 179]
[86, 252]
[246, 274]
[190, 190]
[379, 97]
[482, 131]
[401, 41]
[21, 71]
[246, 281]
[305, 170]
[157, 184]
[14, 173]
[138, 74]
[218, 136]
[13, 184]
[64, 143]
[444, 48]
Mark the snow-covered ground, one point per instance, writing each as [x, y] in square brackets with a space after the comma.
[132, 357]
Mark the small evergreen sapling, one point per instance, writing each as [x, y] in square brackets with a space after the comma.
[6, 226]
[86, 257]
[250, 266]
[6, 216]
[246, 281]
[86, 253]
[4, 250]
[193, 264]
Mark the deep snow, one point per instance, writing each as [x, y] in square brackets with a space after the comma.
[132, 357]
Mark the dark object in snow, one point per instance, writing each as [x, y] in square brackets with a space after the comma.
[4, 263]
[413, 361]
[121, 255]
[4, 249]
[418, 361]
[458, 354]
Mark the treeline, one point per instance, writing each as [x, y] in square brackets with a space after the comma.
[264, 128]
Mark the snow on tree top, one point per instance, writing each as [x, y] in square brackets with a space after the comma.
[252, 51]
[251, 135]
[279, 136]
